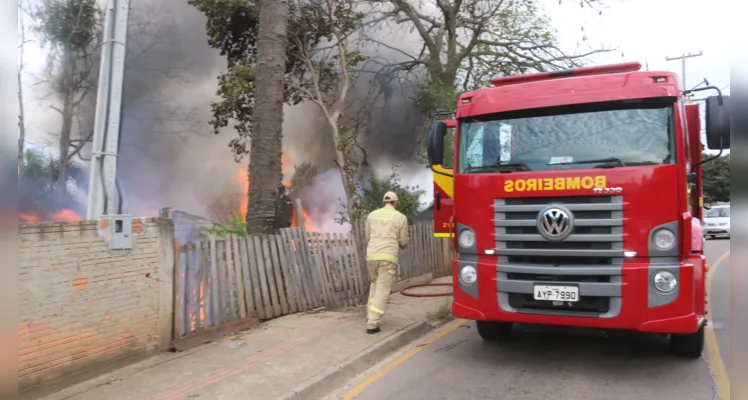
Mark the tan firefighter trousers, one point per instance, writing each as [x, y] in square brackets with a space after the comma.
[382, 274]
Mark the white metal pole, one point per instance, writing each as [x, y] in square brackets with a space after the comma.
[95, 188]
[114, 125]
[107, 122]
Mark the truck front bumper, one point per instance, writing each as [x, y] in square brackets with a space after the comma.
[625, 301]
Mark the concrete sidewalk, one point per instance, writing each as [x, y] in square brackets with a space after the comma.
[300, 356]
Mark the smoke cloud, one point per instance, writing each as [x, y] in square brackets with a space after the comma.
[168, 155]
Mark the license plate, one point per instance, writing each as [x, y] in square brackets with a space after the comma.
[556, 293]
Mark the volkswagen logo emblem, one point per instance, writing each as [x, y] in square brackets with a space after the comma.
[555, 223]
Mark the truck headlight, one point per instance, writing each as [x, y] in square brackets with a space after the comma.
[467, 238]
[468, 274]
[665, 281]
[664, 240]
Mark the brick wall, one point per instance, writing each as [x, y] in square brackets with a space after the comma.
[82, 305]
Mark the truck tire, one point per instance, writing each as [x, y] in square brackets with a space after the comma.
[493, 331]
[689, 345]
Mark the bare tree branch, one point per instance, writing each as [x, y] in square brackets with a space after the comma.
[459, 36]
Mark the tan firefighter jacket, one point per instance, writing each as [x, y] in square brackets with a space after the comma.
[387, 233]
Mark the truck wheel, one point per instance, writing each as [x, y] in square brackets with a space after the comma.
[689, 345]
[493, 331]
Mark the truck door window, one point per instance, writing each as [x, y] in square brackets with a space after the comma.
[482, 144]
[449, 146]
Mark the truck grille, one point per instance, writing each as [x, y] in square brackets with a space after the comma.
[597, 237]
[591, 257]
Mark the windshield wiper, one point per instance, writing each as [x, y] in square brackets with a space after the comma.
[522, 166]
[600, 160]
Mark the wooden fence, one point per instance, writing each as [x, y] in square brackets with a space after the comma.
[227, 280]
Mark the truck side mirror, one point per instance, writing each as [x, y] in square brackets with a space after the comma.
[718, 122]
[435, 147]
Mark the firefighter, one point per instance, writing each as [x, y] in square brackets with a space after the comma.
[283, 208]
[387, 233]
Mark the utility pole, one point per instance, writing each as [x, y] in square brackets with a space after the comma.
[683, 64]
[103, 168]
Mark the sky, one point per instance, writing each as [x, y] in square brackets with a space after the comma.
[647, 31]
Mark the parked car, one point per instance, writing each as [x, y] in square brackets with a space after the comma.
[717, 221]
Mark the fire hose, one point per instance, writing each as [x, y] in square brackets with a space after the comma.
[405, 293]
[405, 289]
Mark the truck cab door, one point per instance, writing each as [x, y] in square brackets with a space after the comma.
[443, 175]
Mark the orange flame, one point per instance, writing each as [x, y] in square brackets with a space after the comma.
[307, 221]
[66, 215]
[286, 166]
[200, 305]
[29, 217]
[242, 177]
[60, 216]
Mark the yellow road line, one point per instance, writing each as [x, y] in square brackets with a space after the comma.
[382, 372]
[712, 347]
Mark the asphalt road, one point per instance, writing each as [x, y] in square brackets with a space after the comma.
[719, 298]
[551, 363]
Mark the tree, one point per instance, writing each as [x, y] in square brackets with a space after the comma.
[372, 195]
[327, 80]
[265, 170]
[233, 28]
[716, 177]
[71, 32]
[21, 114]
[464, 43]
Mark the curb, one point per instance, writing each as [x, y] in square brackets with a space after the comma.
[335, 377]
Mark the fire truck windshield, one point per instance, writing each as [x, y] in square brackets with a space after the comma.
[615, 134]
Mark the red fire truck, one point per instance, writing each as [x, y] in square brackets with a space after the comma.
[573, 198]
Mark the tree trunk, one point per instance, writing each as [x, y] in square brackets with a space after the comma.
[265, 171]
[67, 128]
[68, 113]
[345, 174]
[21, 122]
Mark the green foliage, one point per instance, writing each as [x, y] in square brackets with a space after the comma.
[236, 90]
[303, 177]
[40, 170]
[372, 195]
[68, 23]
[38, 193]
[70, 31]
[434, 95]
[716, 177]
[235, 226]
